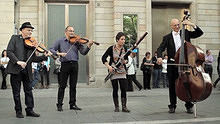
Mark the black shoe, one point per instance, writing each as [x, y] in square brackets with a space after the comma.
[59, 108]
[214, 85]
[171, 110]
[75, 107]
[140, 88]
[4, 87]
[19, 115]
[189, 111]
[32, 114]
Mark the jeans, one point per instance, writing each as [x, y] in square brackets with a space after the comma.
[165, 80]
[156, 78]
[35, 78]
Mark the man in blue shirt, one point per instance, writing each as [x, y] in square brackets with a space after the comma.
[69, 56]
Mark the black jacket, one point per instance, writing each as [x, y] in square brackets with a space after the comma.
[168, 42]
[17, 51]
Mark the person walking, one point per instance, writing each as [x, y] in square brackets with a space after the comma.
[131, 73]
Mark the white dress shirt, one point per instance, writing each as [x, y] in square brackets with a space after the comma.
[177, 39]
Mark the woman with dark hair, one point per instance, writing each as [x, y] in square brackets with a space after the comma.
[4, 62]
[146, 67]
[218, 70]
[115, 52]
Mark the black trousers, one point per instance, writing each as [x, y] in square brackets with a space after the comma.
[146, 79]
[45, 73]
[123, 86]
[16, 80]
[68, 69]
[172, 72]
[132, 78]
[208, 69]
[216, 81]
[58, 78]
[4, 75]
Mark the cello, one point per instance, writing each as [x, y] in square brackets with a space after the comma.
[193, 84]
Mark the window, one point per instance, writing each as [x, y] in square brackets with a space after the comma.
[130, 29]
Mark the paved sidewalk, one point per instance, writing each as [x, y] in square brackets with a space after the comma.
[147, 106]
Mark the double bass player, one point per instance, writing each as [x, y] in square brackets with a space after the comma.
[172, 43]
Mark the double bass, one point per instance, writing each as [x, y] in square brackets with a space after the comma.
[193, 84]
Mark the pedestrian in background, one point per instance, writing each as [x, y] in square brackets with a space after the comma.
[156, 72]
[208, 63]
[45, 73]
[4, 62]
[164, 72]
[146, 67]
[131, 65]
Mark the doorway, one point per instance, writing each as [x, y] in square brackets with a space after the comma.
[162, 13]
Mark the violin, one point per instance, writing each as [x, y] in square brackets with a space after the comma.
[32, 43]
[81, 40]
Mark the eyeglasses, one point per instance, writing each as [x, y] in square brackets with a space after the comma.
[176, 25]
[70, 30]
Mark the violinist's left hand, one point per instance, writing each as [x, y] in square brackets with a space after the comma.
[90, 43]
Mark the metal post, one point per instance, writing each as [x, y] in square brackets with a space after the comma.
[195, 111]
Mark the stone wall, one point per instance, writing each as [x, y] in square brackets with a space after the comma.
[104, 34]
[208, 14]
[29, 12]
[6, 22]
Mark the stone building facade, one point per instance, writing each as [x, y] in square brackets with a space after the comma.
[104, 20]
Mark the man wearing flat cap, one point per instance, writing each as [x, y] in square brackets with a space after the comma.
[21, 70]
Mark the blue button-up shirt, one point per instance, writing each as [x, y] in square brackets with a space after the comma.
[63, 45]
